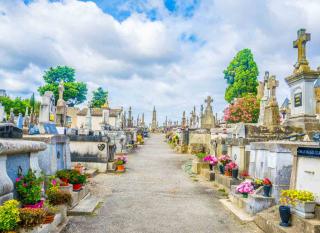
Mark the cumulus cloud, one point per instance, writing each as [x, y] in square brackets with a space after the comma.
[148, 53]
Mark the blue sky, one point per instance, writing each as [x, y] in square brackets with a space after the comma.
[167, 53]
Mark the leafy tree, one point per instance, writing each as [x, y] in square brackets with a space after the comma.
[74, 93]
[99, 98]
[19, 105]
[241, 76]
[245, 109]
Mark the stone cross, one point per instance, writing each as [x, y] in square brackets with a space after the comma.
[61, 89]
[300, 43]
[272, 85]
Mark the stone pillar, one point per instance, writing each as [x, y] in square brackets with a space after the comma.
[229, 149]
[242, 165]
[68, 154]
[6, 185]
[293, 178]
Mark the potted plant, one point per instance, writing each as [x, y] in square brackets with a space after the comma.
[301, 200]
[120, 162]
[224, 159]
[267, 185]
[245, 188]
[9, 216]
[50, 213]
[29, 190]
[212, 161]
[55, 196]
[232, 168]
[64, 176]
[257, 183]
[200, 156]
[31, 217]
[77, 180]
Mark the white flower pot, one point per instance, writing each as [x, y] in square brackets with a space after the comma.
[306, 207]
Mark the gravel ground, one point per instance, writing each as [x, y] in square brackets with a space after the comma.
[156, 195]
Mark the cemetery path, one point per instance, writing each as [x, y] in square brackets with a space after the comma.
[156, 195]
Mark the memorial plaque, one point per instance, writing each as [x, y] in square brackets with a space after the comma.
[308, 152]
[298, 99]
[50, 128]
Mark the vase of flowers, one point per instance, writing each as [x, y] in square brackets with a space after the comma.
[224, 159]
[77, 180]
[29, 189]
[232, 168]
[257, 183]
[120, 163]
[267, 185]
[212, 160]
[245, 188]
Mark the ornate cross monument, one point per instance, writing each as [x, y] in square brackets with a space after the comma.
[302, 94]
[208, 120]
[300, 43]
[272, 115]
[264, 95]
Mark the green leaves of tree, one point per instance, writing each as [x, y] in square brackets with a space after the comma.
[74, 93]
[241, 75]
[99, 98]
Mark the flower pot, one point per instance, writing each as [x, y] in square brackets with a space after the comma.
[48, 219]
[221, 169]
[267, 190]
[77, 187]
[211, 167]
[35, 206]
[227, 173]
[120, 168]
[306, 207]
[245, 195]
[285, 215]
[235, 173]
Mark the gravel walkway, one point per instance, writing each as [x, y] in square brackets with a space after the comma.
[156, 195]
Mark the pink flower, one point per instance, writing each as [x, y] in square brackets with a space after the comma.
[18, 179]
[54, 182]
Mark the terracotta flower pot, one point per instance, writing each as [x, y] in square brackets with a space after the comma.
[48, 219]
[227, 173]
[120, 168]
[77, 187]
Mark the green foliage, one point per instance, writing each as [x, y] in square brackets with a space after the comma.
[19, 105]
[77, 178]
[55, 196]
[63, 174]
[31, 217]
[29, 188]
[201, 155]
[9, 216]
[74, 93]
[241, 75]
[99, 98]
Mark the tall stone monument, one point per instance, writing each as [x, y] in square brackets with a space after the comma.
[154, 125]
[184, 120]
[272, 116]
[142, 120]
[11, 117]
[264, 97]
[208, 120]
[47, 108]
[129, 122]
[301, 83]
[61, 114]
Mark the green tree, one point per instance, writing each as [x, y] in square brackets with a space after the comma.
[74, 93]
[99, 98]
[241, 75]
[19, 105]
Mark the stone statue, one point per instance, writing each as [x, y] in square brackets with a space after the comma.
[61, 89]
[11, 118]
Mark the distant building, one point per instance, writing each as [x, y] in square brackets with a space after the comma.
[3, 93]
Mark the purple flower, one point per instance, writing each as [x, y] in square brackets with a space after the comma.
[54, 182]
[18, 179]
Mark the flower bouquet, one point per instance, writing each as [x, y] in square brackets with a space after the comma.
[267, 185]
[213, 161]
[224, 159]
[232, 168]
[120, 162]
[245, 188]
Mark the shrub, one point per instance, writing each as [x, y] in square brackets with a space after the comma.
[29, 188]
[201, 155]
[55, 196]
[9, 216]
[31, 217]
[63, 174]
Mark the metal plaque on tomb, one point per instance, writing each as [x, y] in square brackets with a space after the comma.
[298, 99]
[308, 152]
[50, 128]
[9, 130]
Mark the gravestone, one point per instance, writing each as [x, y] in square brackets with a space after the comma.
[20, 121]
[61, 114]
[208, 120]
[264, 93]
[301, 83]
[11, 118]
[272, 116]
[47, 114]
[2, 113]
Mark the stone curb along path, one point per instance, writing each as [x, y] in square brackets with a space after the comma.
[156, 195]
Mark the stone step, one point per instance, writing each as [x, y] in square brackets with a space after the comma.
[85, 207]
[236, 211]
[91, 172]
[269, 220]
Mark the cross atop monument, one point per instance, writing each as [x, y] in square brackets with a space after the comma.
[272, 85]
[61, 89]
[266, 76]
[300, 43]
[209, 100]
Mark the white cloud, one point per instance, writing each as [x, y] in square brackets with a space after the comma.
[144, 63]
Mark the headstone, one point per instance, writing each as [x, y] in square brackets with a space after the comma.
[47, 113]
[88, 123]
[61, 114]
[208, 120]
[26, 119]
[11, 118]
[2, 113]
[183, 121]
[264, 97]
[302, 91]
[20, 121]
[272, 115]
